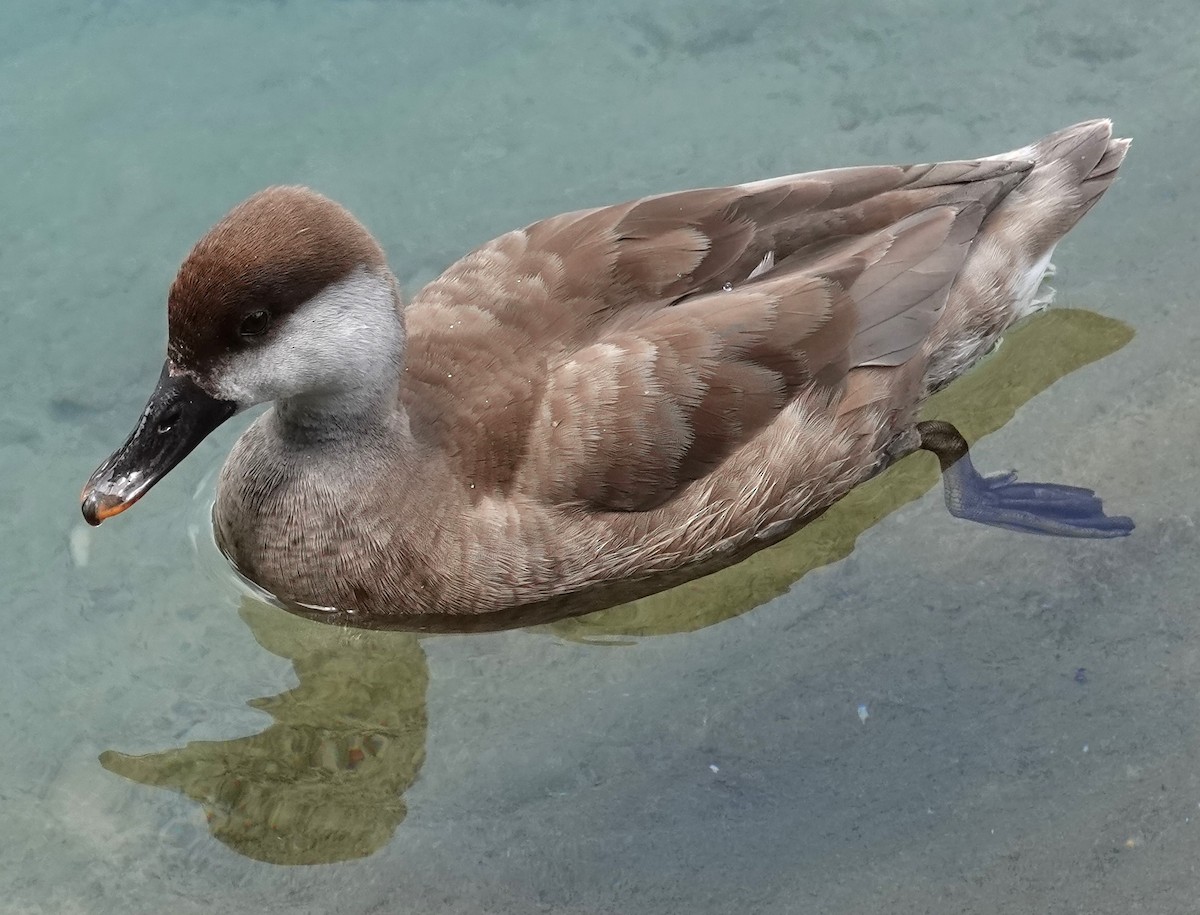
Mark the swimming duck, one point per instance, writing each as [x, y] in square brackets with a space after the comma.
[608, 401]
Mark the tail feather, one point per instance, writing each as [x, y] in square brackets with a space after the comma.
[998, 284]
[1088, 156]
[1080, 146]
[1097, 181]
[1073, 167]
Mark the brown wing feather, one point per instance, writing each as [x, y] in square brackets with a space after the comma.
[595, 357]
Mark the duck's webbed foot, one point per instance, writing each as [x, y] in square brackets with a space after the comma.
[999, 500]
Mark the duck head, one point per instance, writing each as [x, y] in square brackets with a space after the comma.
[287, 299]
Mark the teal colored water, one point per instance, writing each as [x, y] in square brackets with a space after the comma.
[948, 719]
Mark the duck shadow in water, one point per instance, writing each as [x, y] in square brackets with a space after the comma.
[326, 781]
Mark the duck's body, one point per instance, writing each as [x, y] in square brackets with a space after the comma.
[606, 401]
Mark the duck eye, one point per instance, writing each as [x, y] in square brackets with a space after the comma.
[254, 324]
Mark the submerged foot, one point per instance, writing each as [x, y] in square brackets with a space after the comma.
[999, 500]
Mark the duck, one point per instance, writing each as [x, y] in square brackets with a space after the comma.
[606, 402]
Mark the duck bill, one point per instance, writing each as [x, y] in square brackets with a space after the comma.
[176, 419]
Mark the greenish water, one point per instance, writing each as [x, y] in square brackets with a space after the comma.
[168, 745]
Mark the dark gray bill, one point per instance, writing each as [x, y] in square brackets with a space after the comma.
[176, 419]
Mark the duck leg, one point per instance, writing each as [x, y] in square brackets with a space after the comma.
[999, 500]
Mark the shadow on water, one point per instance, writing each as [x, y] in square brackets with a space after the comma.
[325, 782]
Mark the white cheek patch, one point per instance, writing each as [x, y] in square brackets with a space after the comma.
[340, 340]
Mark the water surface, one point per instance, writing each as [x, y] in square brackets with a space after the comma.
[1030, 729]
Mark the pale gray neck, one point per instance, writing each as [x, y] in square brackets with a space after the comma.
[333, 368]
[369, 321]
[342, 416]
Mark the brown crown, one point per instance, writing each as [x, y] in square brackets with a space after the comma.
[274, 251]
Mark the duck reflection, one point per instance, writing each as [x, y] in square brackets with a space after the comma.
[325, 782]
